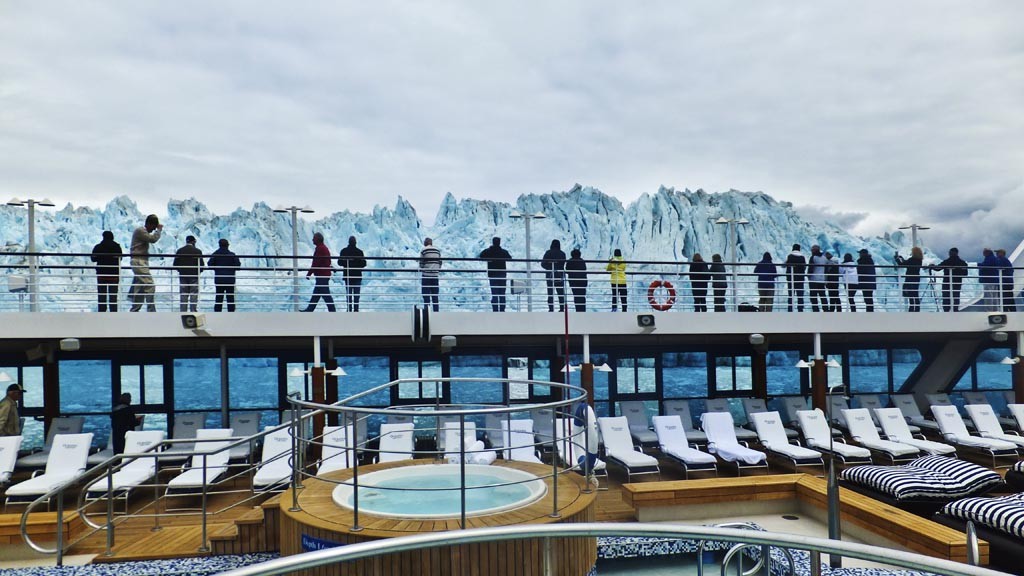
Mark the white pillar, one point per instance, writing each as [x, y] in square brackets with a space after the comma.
[295, 258]
[586, 348]
[316, 351]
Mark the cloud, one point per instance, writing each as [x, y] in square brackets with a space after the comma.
[823, 214]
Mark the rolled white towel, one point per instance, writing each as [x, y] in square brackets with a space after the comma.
[484, 458]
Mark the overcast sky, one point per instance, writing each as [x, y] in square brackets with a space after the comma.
[877, 113]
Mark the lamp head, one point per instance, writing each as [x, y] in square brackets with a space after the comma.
[515, 214]
[832, 363]
[1010, 361]
[603, 368]
[296, 372]
[539, 216]
[803, 364]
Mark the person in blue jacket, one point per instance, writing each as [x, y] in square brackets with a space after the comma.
[988, 275]
[1006, 280]
[766, 274]
[224, 264]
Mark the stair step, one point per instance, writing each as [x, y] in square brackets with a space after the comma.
[169, 542]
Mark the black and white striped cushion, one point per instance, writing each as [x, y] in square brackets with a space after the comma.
[928, 478]
[1018, 467]
[1005, 514]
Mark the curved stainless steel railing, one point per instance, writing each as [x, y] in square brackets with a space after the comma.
[815, 546]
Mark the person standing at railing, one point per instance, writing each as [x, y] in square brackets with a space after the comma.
[912, 277]
[123, 419]
[850, 279]
[867, 278]
[430, 270]
[719, 283]
[832, 279]
[816, 279]
[700, 275]
[617, 267]
[988, 275]
[224, 264]
[576, 270]
[10, 422]
[143, 289]
[188, 261]
[796, 275]
[1006, 279]
[352, 261]
[320, 270]
[553, 263]
[766, 273]
[496, 257]
[107, 256]
[954, 270]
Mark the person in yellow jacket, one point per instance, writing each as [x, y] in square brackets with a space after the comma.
[617, 267]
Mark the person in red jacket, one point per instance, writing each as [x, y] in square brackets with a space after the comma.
[321, 271]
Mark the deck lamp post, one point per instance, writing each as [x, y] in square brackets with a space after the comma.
[33, 285]
[913, 232]
[515, 214]
[733, 224]
[294, 211]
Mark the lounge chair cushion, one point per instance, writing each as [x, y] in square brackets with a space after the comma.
[633, 458]
[1005, 514]
[927, 478]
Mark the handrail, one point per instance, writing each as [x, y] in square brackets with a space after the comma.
[350, 552]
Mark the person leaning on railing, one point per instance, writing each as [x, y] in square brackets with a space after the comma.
[912, 277]
[430, 270]
[576, 270]
[107, 256]
[699, 278]
[954, 270]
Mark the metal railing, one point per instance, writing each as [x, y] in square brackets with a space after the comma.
[67, 282]
[814, 546]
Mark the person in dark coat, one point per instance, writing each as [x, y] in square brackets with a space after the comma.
[188, 261]
[912, 277]
[107, 256]
[1006, 279]
[699, 278]
[832, 278]
[954, 270]
[224, 264]
[122, 419]
[320, 270]
[796, 274]
[496, 257]
[766, 273]
[352, 261]
[718, 281]
[988, 275]
[553, 264]
[816, 279]
[576, 270]
[867, 278]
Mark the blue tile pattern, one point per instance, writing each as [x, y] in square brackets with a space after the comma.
[202, 566]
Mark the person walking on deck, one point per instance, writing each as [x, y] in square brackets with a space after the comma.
[320, 270]
[143, 290]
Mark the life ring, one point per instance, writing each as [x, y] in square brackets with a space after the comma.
[654, 302]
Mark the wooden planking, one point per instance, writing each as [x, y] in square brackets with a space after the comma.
[184, 541]
[710, 490]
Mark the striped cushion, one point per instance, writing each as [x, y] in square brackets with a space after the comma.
[928, 478]
[1005, 514]
[1018, 467]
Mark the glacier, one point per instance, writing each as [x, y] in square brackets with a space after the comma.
[668, 225]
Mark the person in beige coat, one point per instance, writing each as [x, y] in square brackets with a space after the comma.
[10, 423]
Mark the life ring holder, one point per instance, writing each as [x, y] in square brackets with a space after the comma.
[653, 300]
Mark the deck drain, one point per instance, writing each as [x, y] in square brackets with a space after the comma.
[790, 517]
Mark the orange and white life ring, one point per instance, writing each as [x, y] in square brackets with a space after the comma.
[652, 297]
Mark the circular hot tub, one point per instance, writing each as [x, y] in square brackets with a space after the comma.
[433, 491]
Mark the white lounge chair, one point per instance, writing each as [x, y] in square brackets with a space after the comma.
[722, 442]
[456, 437]
[134, 472]
[1017, 412]
[65, 462]
[185, 427]
[862, 430]
[543, 420]
[912, 413]
[681, 408]
[722, 405]
[619, 449]
[943, 399]
[276, 461]
[59, 425]
[639, 425]
[987, 424]
[397, 442]
[244, 425]
[336, 452]
[753, 406]
[207, 465]
[675, 446]
[570, 445]
[9, 446]
[896, 429]
[978, 397]
[815, 430]
[873, 402]
[955, 432]
[519, 441]
[772, 436]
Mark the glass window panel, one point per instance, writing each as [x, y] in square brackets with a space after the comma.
[197, 384]
[723, 374]
[542, 371]
[685, 374]
[966, 382]
[365, 373]
[100, 428]
[477, 367]
[783, 376]
[408, 370]
[991, 374]
[85, 387]
[153, 376]
[252, 383]
[299, 382]
[155, 422]
[645, 375]
[625, 376]
[131, 381]
[744, 374]
[519, 369]
[869, 371]
[431, 370]
[32, 382]
[834, 375]
[32, 434]
[903, 364]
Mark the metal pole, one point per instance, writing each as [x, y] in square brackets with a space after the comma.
[462, 468]
[295, 258]
[548, 561]
[60, 528]
[110, 512]
[355, 477]
[554, 455]
[529, 279]
[735, 280]
[973, 553]
[202, 546]
[832, 490]
[295, 459]
[32, 272]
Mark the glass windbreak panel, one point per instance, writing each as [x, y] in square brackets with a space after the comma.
[477, 367]
[601, 409]
[296, 379]
[834, 375]
[904, 361]
[723, 374]
[131, 381]
[85, 387]
[684, 374]
[365, 373]
[966, 382]
[408, 370]
[431, 370]
[155, 422]
[542, 371]
[518, 369]
[783, 376]
[197, 384]
[153, 384]
[991, 374]
[625, 376]
[869, 371]
[645, 378]
[252, 383]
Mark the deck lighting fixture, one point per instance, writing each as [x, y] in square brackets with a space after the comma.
[570, 368]
[832, 363]
[526, 221]
[294, 211]
[298, 372]
[732, 231]
[604, 368]
[1007, 360]
[5, 378]
[33, 285]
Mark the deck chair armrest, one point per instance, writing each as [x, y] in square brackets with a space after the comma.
[1014, 432]
[919, 436]
[839, 439]
[36, 473]
[744, 443]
